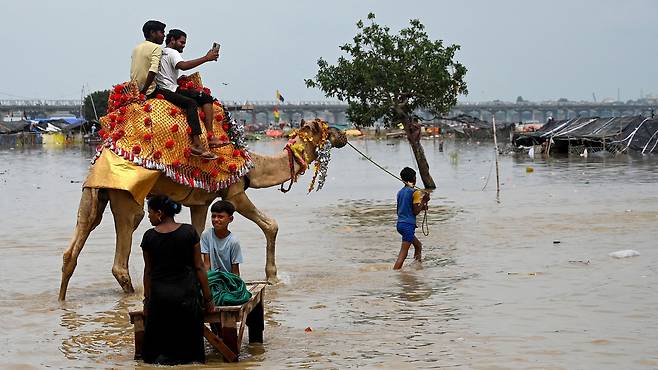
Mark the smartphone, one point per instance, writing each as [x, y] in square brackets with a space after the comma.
[215, 45]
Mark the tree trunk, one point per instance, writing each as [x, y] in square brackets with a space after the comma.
[413, 135]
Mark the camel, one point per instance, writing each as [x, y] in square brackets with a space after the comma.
[128, 212]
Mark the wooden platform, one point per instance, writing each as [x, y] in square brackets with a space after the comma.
[228, 324]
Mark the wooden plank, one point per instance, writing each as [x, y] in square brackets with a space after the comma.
[241, 331]
[139, 335]
[216, 342]
[134, 314]
[250, 314]
[230, 332]
[256, 320]
[255, 295]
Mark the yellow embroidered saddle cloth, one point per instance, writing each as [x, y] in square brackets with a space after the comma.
[154, 134]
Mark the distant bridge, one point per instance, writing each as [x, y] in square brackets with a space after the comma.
[334, 111]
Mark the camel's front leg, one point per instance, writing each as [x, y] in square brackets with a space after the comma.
[198, 215]
[90, 212]
[245, 207]
[127, 216]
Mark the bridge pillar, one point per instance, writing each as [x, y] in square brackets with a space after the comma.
[332, 115]
[539, 116]
[299, 117]
[339, 117]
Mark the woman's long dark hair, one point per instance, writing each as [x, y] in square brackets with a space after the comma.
[165, 204]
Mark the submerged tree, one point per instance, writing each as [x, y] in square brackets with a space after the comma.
[388, 77]
[99, 106]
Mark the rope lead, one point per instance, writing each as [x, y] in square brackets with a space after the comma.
[424, 225]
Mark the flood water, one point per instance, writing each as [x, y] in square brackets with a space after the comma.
[493, 291]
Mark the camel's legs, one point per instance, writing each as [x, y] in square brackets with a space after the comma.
[127, 216]
[198, 215]
[90, 212]
[245, 207]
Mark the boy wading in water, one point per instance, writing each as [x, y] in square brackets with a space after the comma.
[409, 204]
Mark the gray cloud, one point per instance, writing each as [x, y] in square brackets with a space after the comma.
[540, 50]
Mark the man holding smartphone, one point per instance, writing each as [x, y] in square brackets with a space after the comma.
[167, 85]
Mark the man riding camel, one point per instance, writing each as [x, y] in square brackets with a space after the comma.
[146, 57]
[187, 99]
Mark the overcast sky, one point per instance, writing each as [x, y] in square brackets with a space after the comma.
[539, 50]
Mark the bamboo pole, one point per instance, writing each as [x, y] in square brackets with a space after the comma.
[496, 149]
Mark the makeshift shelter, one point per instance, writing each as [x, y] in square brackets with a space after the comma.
[13, 127]
[469, 127]
[612, 134]
[17, 133]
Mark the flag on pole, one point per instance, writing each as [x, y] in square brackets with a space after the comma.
[279, 97]
[276, 115]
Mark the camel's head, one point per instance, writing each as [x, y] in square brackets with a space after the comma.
[319, 131]
[317, 138]
[314, 135]
[337, 137]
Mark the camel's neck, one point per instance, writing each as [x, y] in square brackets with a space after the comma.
[270, 170]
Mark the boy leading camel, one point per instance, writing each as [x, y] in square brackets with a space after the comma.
[409, 204]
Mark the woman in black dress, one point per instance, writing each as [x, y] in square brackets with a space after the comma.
[174, 277]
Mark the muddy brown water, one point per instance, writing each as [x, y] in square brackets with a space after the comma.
[493, 292]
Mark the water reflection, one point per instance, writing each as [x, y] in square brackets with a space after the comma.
[335, 250]
[414, 289]
[90, 333]
[354, 215]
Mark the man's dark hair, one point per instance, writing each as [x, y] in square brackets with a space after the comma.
[174, 34]
[150, 26]
[222, 206]
[408, 174]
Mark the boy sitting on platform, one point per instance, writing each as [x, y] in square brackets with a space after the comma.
[220, 248]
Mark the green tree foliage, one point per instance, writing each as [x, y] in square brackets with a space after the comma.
[100, 103]
[388, 76]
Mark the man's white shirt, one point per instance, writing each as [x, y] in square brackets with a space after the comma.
[167, 77]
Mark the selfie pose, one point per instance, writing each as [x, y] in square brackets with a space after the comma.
[187, 99]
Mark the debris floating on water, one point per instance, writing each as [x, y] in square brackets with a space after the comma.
[624, 253]
[532, 273]
[308, 329]
[556, 242]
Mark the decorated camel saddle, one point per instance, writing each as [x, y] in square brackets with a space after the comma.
[154, 134]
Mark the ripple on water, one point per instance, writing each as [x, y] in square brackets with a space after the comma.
[458, 308]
